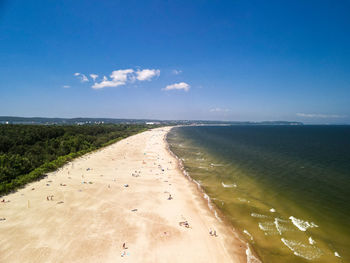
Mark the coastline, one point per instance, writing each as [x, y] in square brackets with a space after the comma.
[113, 196]
[251, 256]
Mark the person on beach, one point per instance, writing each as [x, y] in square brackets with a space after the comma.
[185, 224]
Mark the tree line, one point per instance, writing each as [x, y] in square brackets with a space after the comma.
[27, 152]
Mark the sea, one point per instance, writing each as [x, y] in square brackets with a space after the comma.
[285, 189]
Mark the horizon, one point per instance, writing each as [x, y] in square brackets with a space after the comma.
[243, 61]
[177, 120]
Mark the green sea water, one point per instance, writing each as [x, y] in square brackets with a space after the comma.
[285, 188]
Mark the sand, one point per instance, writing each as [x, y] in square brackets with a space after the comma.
[116, 195]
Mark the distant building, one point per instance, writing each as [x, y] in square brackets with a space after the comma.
[152, 123]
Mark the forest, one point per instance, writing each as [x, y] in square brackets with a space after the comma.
[27, 152]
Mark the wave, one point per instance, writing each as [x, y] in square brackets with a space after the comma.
[258, 215]
[216, 199]
[268, 228]
[311, 241]
[250, 257]
[228, 185]
[280, 227]
[301, 224]
[248, 234]
[299, 249]
[195, 181]
[243, 200]
[217, 164]
[211, 206]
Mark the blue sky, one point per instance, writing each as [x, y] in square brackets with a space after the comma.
[214, 60]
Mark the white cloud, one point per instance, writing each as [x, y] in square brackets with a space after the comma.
[312, 115]
[219, 110]
[176, 72]
[66, 86]
[178, 86]
[147, 74]
[82, 77]
[94, 76]
[118, 78]
[123, 76]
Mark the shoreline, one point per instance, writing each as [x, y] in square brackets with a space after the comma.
[113, 196]
[220, 216]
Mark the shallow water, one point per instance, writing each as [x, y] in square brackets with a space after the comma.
[286, 188]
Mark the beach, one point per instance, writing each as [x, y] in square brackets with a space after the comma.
[128, 202]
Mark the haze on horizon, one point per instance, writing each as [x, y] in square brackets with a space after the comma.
[207, 60]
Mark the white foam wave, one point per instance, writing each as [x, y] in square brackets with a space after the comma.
[299, 249]
[217, 216]
[301, 224]
[208, 199]
[311, 241]
[268, 228]
[211, 207]
[216, 164]
[258, 215]
[248, 234]
[272, 210]
[228, 185]
[280, 227]
[243, 200]
[336, 254]
[197, 183]
[250, 257]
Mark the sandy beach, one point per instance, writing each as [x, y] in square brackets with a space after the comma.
[130, 193]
